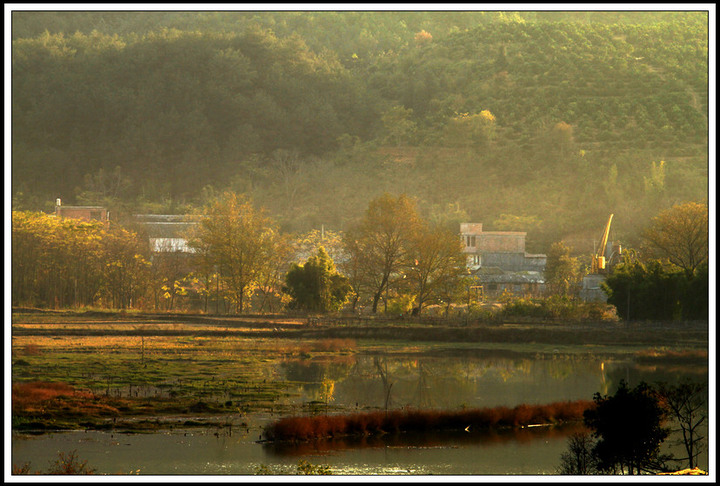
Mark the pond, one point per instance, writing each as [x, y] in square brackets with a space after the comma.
[443, 379]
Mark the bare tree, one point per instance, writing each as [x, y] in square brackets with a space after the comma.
[687, 403]
[579, 458]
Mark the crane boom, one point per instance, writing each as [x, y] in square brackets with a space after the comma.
[599, 257]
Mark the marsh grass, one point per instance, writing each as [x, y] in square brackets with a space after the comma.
[304, 428]
[67, 463]
[86, 378]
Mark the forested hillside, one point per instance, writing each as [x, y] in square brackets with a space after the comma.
[539, 122]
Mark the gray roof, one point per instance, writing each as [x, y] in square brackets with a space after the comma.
[497, 275]
[166, 225]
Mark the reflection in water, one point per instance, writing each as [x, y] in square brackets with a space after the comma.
[421, 381]
[368, 382]
[483, 438]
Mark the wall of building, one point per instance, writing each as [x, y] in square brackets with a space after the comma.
[85, 213]
[495, 242]
[511, 262]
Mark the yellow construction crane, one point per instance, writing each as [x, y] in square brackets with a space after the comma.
[598, 259]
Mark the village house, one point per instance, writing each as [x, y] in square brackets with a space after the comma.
[166, 233]
[85, 213]
[498, 261]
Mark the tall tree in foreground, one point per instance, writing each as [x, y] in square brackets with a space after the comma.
[579, 458]
[239, 241]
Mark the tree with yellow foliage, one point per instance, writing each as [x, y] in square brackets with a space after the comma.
[680, 236]
[239, 240]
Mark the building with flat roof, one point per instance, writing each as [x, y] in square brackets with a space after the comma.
[166, 232]
[499, 262]
[500, 249]
[85, 213]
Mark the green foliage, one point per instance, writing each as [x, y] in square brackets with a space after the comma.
[562, 272]
[494, 111]
[378, 244]
[629, 429]
[316, 285]
[679, 235]
[400, 305]
[652, 291]
[555, 307]
[240, 243]
[398, 125]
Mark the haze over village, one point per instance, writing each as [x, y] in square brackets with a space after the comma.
[276, 242]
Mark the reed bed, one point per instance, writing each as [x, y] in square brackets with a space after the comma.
[303, 428]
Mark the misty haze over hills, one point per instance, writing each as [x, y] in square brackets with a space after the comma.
[544, 122]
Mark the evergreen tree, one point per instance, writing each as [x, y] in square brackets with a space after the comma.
[316, 285]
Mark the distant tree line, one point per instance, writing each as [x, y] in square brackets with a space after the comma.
[393, 259]
[64, 263]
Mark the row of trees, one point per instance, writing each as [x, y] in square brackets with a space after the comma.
[68, 262]
[240, 258]
[390, 254]
[628, 428]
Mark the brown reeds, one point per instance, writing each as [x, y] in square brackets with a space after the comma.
[334, 345]
[38, 395]
[302, 428]
[31, 393]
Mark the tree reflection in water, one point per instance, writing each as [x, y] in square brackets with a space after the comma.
[437, 380]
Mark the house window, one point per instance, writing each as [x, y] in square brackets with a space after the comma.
[476, 259]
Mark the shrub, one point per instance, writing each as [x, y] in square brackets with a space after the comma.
[31, 350]
[70, 464]
[33, 393]
[304, 467]
[335, 345]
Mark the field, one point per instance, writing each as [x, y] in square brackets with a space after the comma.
[143, 372]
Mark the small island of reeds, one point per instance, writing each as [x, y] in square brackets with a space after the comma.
[303, 428]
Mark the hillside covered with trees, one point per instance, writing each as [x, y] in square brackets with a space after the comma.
[544, 122]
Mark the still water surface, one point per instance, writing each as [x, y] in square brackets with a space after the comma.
[369, 382]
